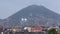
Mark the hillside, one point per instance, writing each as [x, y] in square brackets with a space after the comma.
[33, 15]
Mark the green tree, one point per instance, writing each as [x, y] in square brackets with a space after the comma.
[52, 31]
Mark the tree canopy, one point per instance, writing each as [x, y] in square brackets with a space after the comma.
[52, 31]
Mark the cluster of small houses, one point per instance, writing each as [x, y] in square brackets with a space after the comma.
[27, 29]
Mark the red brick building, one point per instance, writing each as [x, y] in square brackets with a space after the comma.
[35, 29]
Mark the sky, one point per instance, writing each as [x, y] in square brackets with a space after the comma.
[9, 7]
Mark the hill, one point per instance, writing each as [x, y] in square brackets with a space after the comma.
[33, 15]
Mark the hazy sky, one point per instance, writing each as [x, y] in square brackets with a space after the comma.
[9, 7]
